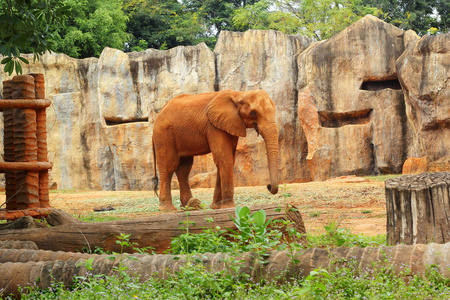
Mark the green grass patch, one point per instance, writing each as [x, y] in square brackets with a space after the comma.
[69, 191]
[99, 217]
[382, 177]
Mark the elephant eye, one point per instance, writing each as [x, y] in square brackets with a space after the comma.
[253, 114]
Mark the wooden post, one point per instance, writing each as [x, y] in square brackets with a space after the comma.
[41, 126]
[418, 209]
[25, 143]
[8, 144]
[25, 147]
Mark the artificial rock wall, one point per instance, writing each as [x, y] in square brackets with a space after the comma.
[361, 103]
[351, 104]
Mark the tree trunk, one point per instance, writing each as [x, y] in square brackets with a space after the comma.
[417, 208]
[43, 267]
[155, 231]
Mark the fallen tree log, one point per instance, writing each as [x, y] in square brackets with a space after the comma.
[275, 265]
[418, 208]
[156, 231]
[21, 223]
[18, 245]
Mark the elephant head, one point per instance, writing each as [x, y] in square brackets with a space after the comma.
[233, 112]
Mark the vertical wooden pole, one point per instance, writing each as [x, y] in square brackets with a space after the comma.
[25, 144]
[41, 126]
[8, 144]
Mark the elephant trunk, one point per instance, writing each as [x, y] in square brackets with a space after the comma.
[270, 136]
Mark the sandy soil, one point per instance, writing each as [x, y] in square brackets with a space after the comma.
[352, 203]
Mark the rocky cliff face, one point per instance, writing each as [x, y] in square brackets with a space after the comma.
[351, 104]
[424, 72]
[359, 103]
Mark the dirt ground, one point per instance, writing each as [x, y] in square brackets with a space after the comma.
[354, 203]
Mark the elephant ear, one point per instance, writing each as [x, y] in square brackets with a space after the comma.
[223, 113]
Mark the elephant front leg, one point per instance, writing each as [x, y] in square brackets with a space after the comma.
[223, 148]
[227, 188]
[217, 198]
[224, 191]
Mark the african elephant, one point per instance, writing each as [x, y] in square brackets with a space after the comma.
[190, 125]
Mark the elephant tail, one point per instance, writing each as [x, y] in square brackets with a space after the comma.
[155, 179]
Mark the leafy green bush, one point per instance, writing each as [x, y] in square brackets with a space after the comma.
[253, 234]
[211, 240]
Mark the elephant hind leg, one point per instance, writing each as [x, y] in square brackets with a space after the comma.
[167, 165]
[165, 195]
[183, 170]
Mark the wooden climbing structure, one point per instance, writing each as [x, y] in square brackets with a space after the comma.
[25, 147]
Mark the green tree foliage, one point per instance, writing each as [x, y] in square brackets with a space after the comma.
[162, 24]
[93, 25]
[418, 15]
[217, 14]
[443, 20]
[319, 19]
[133, 25]
[24, 27]
[324, 18]
[258, 16]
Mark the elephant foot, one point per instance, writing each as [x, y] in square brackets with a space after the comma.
[228, 204]
[219, 205]
[167, 207]
[216, 205]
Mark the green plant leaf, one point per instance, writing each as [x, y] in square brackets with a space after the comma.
[6, 60]
[18, 67]
[340, 242]
[259, 218]
[321, 286]
[268, 222]
[24, 59]
[9, 67]
[244, 212]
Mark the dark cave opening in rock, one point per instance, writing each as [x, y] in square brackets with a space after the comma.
[118, 121]
[377, 85]
[335, 119]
